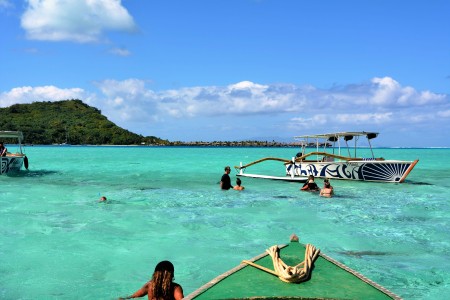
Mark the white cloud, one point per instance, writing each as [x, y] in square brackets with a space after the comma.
[364, 118]
[120, 52]
[388, 92]
[127, 100]
[132, 104]
[444, 114]
[74, 20]
[309, 122]
[28, 94]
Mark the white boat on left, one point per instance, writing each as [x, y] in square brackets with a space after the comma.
[12, 162]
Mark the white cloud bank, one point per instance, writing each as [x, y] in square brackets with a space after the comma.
[74, 20]
[380, 103]
[28, 94]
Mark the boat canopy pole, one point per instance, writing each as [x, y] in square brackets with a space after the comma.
[317, 148]
[332, 139]
[370, 145]
[339, 145]
[348, 138]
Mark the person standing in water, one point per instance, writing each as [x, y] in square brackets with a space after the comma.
[161, 286]
[327, 190]
[225, 181]
[310, 185]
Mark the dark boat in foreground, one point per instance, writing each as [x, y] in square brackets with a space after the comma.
[326, 279]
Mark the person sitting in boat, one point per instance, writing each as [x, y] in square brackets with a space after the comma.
[238, 185]
[310, 185]
[3, 149]
[327, 190]
[161, 286]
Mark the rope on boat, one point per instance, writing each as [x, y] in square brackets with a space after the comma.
[296, 274]
[261, 160]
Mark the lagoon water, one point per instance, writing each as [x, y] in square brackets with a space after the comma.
[58, 242]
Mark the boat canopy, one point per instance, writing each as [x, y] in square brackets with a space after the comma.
[335, 136]
[11, 134]
[328, 138]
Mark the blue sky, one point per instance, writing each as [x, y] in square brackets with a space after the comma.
[237, 69]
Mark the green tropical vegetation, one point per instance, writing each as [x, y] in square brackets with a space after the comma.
[76, 123]
[68, 121]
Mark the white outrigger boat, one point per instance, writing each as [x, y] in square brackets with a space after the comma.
[333, 158]
[13, 162]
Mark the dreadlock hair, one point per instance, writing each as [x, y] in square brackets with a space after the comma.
[162, 280]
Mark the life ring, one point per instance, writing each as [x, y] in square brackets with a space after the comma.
[25, 162]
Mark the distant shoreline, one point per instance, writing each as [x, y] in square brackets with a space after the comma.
[279, 145]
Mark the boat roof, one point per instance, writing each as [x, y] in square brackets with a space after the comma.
[338, 134]
[11, 134]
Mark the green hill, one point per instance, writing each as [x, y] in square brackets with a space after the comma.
[68, 121]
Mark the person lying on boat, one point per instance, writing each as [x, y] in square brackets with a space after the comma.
[225, 181]
[161, 286]
[238, 185]
[310, 185]
[327, 190]
[3, 149]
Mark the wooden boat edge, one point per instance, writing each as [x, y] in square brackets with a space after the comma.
[342, 266]
[360, 276]
[228, 273]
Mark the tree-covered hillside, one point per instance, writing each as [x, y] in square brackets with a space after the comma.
[68, 121]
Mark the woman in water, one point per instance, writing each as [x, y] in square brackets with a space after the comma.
[161, 286]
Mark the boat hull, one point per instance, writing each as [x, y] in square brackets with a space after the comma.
[11, 164]
[379, 171]
[328, 280]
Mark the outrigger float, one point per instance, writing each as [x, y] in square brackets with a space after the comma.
[318, 276]
[13, 162]
[334, 158]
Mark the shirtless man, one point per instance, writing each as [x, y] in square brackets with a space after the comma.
[327, 190]
[238, 185]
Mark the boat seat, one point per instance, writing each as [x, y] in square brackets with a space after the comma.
[328, 158]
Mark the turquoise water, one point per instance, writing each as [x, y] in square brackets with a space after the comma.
[58, 242]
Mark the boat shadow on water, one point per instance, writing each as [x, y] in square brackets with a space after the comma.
[418, 183]
[284, 197]
[34, 173]
[360, 254]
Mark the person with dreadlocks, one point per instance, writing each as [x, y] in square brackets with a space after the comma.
[161, 286]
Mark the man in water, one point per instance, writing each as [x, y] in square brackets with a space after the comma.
[310, 185]
[327, 190]
[238, 185]
[225, 181]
